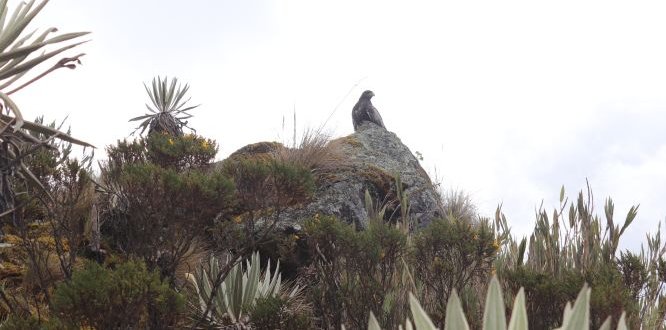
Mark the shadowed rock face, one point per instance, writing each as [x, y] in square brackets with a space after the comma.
[371, 157]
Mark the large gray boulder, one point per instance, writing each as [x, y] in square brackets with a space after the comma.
[371, 157]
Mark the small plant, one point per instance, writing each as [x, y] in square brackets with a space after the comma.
[276, 312]
[239, 291]
[168, 112]
[314, 152]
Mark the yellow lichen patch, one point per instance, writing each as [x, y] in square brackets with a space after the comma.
[381, 181]
[261, 152]
[237, 219]
[8, 269]
[349, 140]
[256, 150]
[12, 239]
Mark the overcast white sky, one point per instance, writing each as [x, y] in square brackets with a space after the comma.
[505, 100]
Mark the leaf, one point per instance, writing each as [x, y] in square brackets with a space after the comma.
[27, 50]
[519, 314]
[455, 316]
[521, 252]
[4, 74]
[372, 323]
[622, 322]
[421, 319]
[606, 325]
[250, 288]
[579, 318]
[141, 117]
[47, 131]
[562, 194]
[493, 315]
[631, 215]
[17, 23]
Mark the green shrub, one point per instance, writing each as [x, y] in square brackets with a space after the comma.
[187, 151]
[452, 254]
[574, 246]
[266, 185]
[357, 271]
[546, 295]
[15, 322]
[162, 212]
[158, 211]
[611, 296]
[275, 312]
[128, 296]
[264, 188]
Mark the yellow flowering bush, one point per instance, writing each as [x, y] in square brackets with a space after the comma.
[187, 151]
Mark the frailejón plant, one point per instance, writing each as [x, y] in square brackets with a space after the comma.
[239, 291]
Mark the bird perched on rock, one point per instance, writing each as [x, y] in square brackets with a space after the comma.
[364, 111]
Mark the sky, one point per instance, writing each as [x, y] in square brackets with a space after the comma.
[505, 101]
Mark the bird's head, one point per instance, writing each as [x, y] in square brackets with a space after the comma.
[367, 95]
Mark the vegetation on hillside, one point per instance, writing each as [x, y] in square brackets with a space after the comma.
[164, 238]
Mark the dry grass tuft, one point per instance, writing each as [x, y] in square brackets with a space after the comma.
[458, 205]
[314, 152]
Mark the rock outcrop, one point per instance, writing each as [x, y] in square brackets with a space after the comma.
[371, 158]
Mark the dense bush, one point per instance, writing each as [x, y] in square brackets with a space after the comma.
[356, 272]
[263, 188]
[278, 313]
[158, 211]
[188, 151]
[451, 254]
[561, 255]
[128, 296]
[547, 294]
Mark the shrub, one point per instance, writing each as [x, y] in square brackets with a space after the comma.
[264, 187]
[569, 248]
[162, 212]
[128, 296]
[451, 254]
[547, 295]
[357, 271]
[16, 322]
[161, 198]
[188, 151]
[276, 312]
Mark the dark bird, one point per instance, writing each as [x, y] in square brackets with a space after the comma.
[364, 111]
